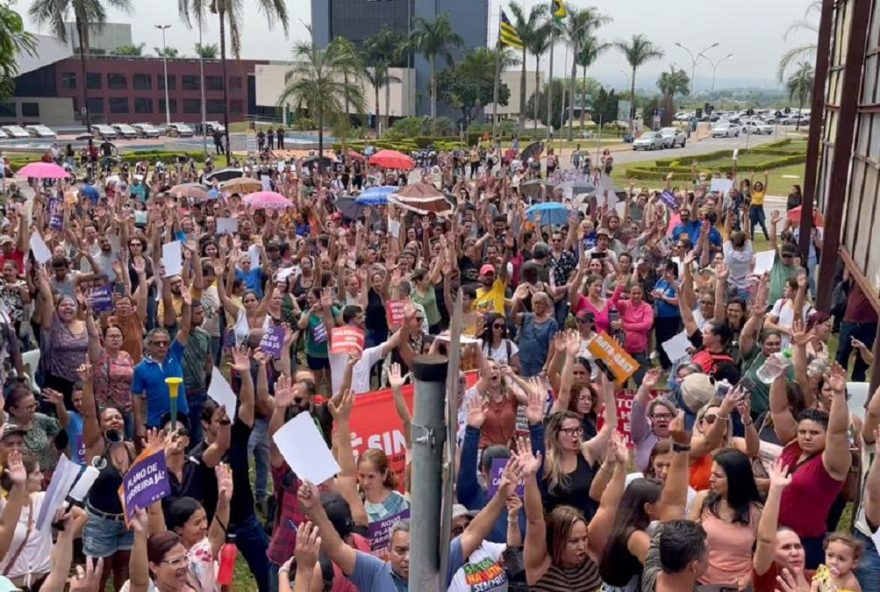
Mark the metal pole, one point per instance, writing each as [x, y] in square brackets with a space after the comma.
[564, 80]
[498, 49]
[202, 86]
[164, 28]
[428, 438]
[549, 83]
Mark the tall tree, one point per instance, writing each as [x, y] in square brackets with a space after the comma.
[13, 41]
[537, 43]
[576, 30]
[85, 13]
[674, 82]
[526, 28]
[435, 39]
[230, 13]
[637, 51]
[799, 87]
[207, 51]
[381, 51]
[806, 51]
[166, 52]
[316, 82]
[586, 57]
[470, 83]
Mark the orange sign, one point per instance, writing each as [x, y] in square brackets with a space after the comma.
[615, 357]
[346, 340]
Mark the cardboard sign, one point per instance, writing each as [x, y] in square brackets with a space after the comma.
[624, 400]
[495, 472]
[720, 185]
[394, 312]
[272, 341]
[145, 483]
[380, 533]
[101, 299]
[346, 340]
[669, 199]
[618, 360]
[56, 214]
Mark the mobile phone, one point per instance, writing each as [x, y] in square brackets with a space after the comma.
[603, 367]
[746, 384]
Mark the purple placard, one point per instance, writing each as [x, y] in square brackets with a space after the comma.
[145, 483]
[272, 340]
[669, 199]
[498, 465]
[101, 299]
[56, 214]
[380, 532]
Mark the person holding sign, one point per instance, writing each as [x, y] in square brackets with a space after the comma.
[636, 320]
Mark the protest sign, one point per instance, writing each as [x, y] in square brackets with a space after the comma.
[172, 258]
[101, 299]
[304, 449]
[145, 482]
[273, 339]
[669, 199]
[720, 185]
[63, 478]
[380, 533]
[618, 360]
[394, 312]
[39, 248]
[221, 392]
[227, 225]
[56, 213]
[495, 472]
[346, 340]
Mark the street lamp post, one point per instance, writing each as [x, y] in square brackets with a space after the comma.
[715, 65]
[201, 86]
[694, 60]
[164, 28]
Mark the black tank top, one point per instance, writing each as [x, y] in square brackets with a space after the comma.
[576, 493]
[104, 494]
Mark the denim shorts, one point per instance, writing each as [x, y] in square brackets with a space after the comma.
[103, 537]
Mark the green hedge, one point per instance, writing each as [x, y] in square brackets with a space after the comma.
[17, 161]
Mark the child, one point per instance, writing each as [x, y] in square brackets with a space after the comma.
[842, 553]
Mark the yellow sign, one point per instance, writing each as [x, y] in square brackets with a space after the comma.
[615, 357]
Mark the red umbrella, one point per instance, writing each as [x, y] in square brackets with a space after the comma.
[355, 155]
[794, 216]
[392, 159]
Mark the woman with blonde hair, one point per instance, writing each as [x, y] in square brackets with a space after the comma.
[378, 483]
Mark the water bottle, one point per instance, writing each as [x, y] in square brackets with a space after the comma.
[774, 366]
[228, 553]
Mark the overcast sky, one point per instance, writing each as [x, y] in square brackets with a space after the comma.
[753, 30]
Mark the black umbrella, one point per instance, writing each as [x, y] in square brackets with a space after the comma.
[318, 161]
[350, 209]
[223, 175]
[533, 150]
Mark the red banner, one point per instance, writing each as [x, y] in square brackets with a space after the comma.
[346, 340]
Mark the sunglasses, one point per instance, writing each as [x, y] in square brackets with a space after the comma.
[497, 325]
[162, 343]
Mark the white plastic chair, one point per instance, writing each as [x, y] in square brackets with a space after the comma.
[31, 361]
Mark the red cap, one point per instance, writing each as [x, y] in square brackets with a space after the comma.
[487, 268]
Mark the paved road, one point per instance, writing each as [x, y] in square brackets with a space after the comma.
[700, 147]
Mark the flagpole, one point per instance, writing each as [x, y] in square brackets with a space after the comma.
[498, 49]
[550, 81]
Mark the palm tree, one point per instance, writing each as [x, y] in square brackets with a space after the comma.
[316, 82]
[537, 43]
[526, 28]
[435, 39]
[637, 51]
[208, 51]
[381, 51]
[85, 13]
[129, 50]
[230, 13]
[579, 27]
[800, 86]
[674, 82]
[14, 41]
[167, 52]
[349, 55]
[806, 51]
[586, 57]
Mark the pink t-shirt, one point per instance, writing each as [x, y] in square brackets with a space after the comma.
[603, 322]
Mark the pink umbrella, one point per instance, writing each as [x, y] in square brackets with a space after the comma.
[267, 200]
[42, 170]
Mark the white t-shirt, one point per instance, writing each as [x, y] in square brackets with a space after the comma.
[500, 354]
[784, 313]
[360, 374]
[35, 558]
[480, 572]
[739, 263]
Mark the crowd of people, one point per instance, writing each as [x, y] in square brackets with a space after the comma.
[738, 466]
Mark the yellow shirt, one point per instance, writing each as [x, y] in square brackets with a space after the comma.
[758, 198]
[491, 300]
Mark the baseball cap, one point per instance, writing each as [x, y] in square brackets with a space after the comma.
[487, 268]
[459, 510]
[9, 429]
[338, 512]
[697, 390]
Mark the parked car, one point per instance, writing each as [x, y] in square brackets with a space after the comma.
[15, 131]
[146, 130]
[40, 131]
[104, 131]
[650, 141]
[125, 131]
[795, 119]
[212, 126]
[180, 130]
[674, 136]
[726, 129]
[756, 126]
[3, 135]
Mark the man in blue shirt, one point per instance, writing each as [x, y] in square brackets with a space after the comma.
[687, 226]
[163, 359]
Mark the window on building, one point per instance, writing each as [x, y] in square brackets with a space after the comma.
[214, 106]
[119, 105]
[142, 82]
[93, 80]
[96, 105]
[190, 82]
[235, 82]
[7, 109]
[172, 82]
[117, 81]
[236, 106]
[68, 80]
[192, 106]
[172, 104]
[143, 105]
[30, 109]
[214, 82]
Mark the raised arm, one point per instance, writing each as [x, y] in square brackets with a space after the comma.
[704, 443]
[341, 554]
[535, 549]
[836, 456]
[872, 486]
[593, 448]
[687, 287]
[768, 524]
[241, 363]
[784, 423]
[673, 498]
[15, 499]
[600, 527]
[220, 523]
[346, 480]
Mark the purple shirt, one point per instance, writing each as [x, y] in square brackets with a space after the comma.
[643, 436]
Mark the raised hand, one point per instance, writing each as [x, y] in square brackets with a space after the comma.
[476, 415]
[341, 410]
[729, 403]
[154, 439]
[778, 475]
[529, 464]
[284, 391]
[240, 359]
[621, 452]
[511, 476]
[88, 579]
[537, 397]
[140, 522]
[744, 407]
[308, 546]
[52, 396]
[652, 378]
[572, 342]
[309, 497]
[395, 379]
[677, 430]
[224, 481]
[15, 468]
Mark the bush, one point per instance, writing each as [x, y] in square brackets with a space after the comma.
[302, 124]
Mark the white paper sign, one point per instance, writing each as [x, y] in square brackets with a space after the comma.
[304, 449]
[220, 391]
[63, 478]
[394, 228]
[39, 248]
[764, 261]
[227, 225]
[172, 258]
[620, 208]
[677, 347]
[266, 182]
[721, 185]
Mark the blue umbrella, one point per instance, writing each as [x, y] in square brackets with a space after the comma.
[376, 196]
[548, 214]
[91, 192]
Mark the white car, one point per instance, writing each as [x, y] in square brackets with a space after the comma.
[16, 131]
[212, 126]
[104, 131]
[125, 131]
[40, 131]
[726, 129]
[3, 135]
[756, 126]
[146, 130]
[650, 141]
[180, 130]
[674, 136]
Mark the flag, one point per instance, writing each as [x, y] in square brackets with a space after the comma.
[507, 34]
[557, 9]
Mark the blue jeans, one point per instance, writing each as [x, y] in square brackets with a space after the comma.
[258, 446]
[252, 542]
[196, 401]
[864, 332]
[868, 570]
[756, 218]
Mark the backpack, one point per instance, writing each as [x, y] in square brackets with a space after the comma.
[709, 361]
